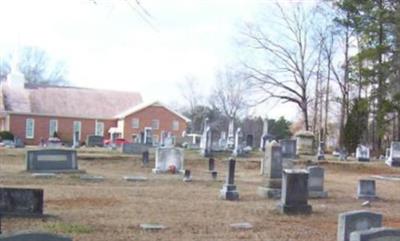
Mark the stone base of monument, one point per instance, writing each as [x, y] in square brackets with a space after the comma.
[67, 171]
[295, 209]
[159, 171]
[321, 157]
[363, 159]
[317, 194]
[229, 192]
[271, 193]
[367, 197]
[393, 162]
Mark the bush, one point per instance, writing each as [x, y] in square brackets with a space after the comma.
[6, 135]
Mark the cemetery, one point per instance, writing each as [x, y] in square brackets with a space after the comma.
[119, 198]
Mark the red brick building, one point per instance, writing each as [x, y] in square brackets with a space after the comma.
[35, 112]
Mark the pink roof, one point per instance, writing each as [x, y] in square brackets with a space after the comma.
[69, 101]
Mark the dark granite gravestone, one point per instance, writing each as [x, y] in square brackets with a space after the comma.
[357, 221]
[271, 169]
[187, 176]
[33, 236]
[294, 198]
[316, 182]
[145, 158]
[229, 191]
[376, 234]
[366, 189]
[21, 201]
[214, 175]
[52, 160]
[134, 148]
[92, 141]
[211, 164]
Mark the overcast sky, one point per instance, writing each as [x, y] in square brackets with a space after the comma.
[112, 44]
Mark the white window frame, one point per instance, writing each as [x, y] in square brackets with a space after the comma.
[97, 129]
[175, 125]
[80, 129]
[51, 132]
[135, 123]
[30, 121]
[155, 121]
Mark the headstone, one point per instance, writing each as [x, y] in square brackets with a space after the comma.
[93, 141]
[91, 178]
[394, 157]
[264, 133]
[214, 175]
[288, 152]
[211, 164]
[241, 226]
[168, 140]
[366, 189]
[75, 143]
[187, 176]
[294, 198]
[229, 191]
[34, 236]
[362, 153]
[52, 160]
[145, 158]
[230, 142]
[356, 221]
[238, 149]
[152, 226]
[250, 140]
[305, 143]
[21, 201]
[134, 148]
[343, 154]
[169, 160]
[222, 141]
[376, 234]
[271, 169]
[135, 178]
[316, 182]
[321, 152]
[18, 143]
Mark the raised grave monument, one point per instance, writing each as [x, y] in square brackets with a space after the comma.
[52, 160]
[294, 198]
[271, 169]
[366, 189]
[34, 236]
[229, 191]
[357, 221]
[305, 143]
[316, 182]
[169, 160]
[394, 154]
[21, 201]
[362, 153]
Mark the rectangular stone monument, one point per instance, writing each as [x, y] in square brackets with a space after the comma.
[316, 182]
[229, 191]
[21, 201]
[357, 221]
[294, 198]
[288, 148]
[238, 148]
[271, 169]
[169, 160]
[34, 236]
[134, 148]
[93, 141]
[394, 156]
[366, 189]
[305, 143]
[211, 164]
[376, 234]
[145, 158]
[362, 153]
[52, 160]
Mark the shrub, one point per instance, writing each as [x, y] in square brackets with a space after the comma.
[6, 135]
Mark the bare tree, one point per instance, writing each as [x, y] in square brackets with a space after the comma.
[230, 95]
[291, 58]
[190, 90]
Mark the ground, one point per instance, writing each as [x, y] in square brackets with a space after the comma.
[112, 210]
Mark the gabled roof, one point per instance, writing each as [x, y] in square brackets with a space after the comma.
[144, 106]
[68, 101]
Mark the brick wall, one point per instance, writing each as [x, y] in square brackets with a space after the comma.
[65, 127]
[146, 116]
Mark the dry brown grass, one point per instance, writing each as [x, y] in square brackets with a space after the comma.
[114, 209]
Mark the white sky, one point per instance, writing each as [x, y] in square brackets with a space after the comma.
[107, 44]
